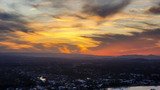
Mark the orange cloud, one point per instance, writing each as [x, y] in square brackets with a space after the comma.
[127, 48]
[12, 45]
[65, 50]
[158, 44]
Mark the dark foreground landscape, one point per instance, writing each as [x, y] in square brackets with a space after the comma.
[29, 72]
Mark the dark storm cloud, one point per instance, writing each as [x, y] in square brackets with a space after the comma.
[104, 8]
[11, 22]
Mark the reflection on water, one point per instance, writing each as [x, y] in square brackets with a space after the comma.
[136, 88]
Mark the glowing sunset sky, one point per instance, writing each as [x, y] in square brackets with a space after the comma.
[98, 27]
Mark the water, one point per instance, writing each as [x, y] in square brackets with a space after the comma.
[136, 88]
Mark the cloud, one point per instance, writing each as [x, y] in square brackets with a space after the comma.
[101, 8]
[104, 8]
[145, 42]
[7, 16]
[11, 22]
[15, 46]
[148, 34]
[65, 50]
[156, 8]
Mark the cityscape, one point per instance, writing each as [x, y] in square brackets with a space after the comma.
[49, 73]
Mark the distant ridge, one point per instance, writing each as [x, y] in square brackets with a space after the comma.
[55, 55]
[79, 56]
[140, 56]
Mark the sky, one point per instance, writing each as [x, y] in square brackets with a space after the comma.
[96, 27]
